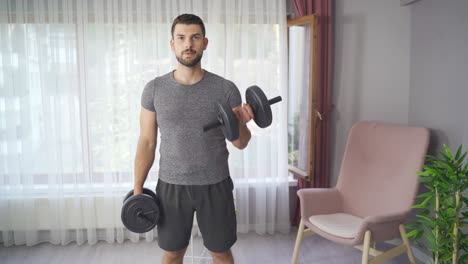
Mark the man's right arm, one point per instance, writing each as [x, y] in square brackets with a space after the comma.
[146, 147]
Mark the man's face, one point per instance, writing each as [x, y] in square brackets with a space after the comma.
[188, 44]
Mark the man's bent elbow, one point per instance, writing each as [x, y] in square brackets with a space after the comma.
[240, 145]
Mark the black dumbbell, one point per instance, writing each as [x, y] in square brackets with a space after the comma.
[141, 212]
[227, 121]
[260, 105]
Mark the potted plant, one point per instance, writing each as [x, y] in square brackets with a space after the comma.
[442, 215]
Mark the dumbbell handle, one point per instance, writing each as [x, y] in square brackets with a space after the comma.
[218, 123]
[142, 215]
[275, 100]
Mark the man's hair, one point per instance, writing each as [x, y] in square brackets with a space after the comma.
[188, 19]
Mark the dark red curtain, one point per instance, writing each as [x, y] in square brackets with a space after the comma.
[323, 10]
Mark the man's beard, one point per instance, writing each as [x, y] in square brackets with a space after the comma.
[189, 63]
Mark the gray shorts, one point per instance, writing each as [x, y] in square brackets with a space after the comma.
[214, 207]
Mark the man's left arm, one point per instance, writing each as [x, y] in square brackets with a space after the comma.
[243, 114]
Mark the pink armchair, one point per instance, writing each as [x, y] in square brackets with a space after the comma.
[376, 188]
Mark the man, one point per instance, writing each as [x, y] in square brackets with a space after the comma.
[194, 175]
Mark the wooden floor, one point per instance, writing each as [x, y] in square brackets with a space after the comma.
[250, 248]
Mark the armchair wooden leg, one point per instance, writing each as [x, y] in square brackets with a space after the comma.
[366, 246]
[409, 250]
[300, 233]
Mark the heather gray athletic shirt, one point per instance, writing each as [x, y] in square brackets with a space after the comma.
[189, 156]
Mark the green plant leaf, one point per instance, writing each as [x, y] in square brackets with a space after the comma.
[447, 150]
[418, 206]
[459, 150]
[418, 236]
[427, 219]
[412, 233]
[461, 158]
[425, 179]
[424, 203]
[426, 194]
[446, 257]
[446, 158]
[445, 174]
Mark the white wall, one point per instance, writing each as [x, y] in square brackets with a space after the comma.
[371, 68]
[439, 63]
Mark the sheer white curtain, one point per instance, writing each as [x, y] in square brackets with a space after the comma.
[71, 78]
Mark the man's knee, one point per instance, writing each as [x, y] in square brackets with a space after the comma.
[222, 257]
[175, 257]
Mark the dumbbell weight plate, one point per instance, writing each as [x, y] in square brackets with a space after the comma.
[130, 193]
[152, 194]
[140, 213]
[257, 99]
[230, 126]
[145, 191]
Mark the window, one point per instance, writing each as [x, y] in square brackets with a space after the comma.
[72, 91]
[66, 96]
[301, 94]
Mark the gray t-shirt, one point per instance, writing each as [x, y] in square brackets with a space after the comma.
[189, 156]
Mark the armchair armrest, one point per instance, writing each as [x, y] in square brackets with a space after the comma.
[316, 201]
[382, 226]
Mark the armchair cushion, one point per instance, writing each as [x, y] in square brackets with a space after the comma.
[386, 218]
[340, 224]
